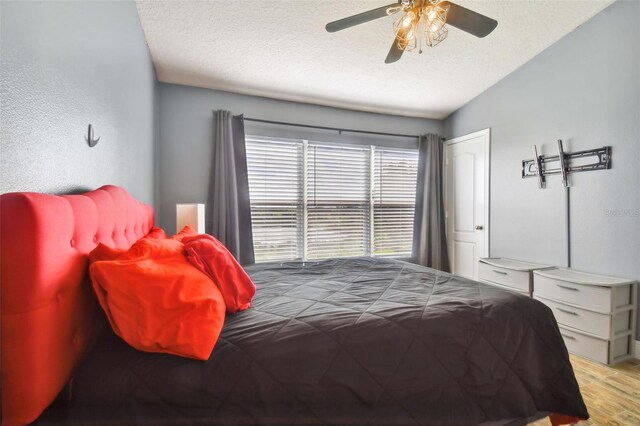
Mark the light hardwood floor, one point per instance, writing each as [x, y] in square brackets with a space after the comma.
[612, 394]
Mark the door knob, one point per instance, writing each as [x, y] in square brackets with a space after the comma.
[479, 227]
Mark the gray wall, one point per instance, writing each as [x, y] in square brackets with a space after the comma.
[585, 90]
[186, 133]
[65, 65]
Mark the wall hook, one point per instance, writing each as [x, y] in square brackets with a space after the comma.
[90, 140]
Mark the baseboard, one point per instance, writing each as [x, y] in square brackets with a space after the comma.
[638, 349]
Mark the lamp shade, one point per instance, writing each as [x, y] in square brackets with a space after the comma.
[190, 214]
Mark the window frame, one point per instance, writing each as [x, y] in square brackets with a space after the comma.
[302, 230]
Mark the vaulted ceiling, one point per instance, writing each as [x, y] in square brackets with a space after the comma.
[280, 49]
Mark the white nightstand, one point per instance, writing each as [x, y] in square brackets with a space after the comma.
[508, 274]
[596, 313]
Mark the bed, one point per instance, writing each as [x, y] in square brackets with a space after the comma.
[356, 341]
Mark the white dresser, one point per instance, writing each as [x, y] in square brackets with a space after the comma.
[595, 313]
[508, 274]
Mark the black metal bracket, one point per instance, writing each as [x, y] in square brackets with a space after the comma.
[542, 165]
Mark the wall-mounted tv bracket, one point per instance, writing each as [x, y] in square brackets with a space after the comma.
[542, 165]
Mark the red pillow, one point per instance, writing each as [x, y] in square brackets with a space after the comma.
[157, 301]
[212, 257]
[187, 231]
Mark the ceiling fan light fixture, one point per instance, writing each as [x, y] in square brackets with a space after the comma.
[408, 20]
[406, 29]
[423, 22]
[434, 37]
[434, 16]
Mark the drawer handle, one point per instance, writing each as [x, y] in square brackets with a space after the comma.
[567, 312]
[567, 336]
[499, 272]
[567, 287]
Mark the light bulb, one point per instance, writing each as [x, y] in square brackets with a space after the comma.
[406, 28]
[435, 17]
[408, 19]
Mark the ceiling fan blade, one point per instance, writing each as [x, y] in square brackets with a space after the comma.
[358, 19]
[395, 53]
[469, 21]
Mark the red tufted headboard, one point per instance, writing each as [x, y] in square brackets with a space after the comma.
[48, 309]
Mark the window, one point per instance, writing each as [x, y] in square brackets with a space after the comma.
[275, 188]
[394, 195]
[312, 200]
[337, 201]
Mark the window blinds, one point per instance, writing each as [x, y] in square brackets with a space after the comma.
[394, 195]
[311, 200]
[337, 201]
[275, 188]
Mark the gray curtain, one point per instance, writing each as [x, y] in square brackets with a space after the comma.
[229, 217]
[429, 234]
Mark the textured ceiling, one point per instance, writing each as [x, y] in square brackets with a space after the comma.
[280, 49]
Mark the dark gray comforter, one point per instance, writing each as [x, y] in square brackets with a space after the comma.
[349, 342]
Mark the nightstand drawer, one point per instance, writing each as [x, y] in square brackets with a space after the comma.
[601, 325]
[587, 296]
[586, 346]
[604, 351]
[518, 280]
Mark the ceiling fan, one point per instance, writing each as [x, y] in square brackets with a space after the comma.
[421, 19]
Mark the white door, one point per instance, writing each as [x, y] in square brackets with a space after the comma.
[467, 201]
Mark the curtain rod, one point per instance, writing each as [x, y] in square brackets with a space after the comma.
[396, 135]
